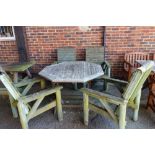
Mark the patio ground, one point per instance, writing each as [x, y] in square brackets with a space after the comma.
[73, 117]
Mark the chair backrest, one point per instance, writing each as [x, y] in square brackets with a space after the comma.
[95, 54]
[137, 80]
[66, 54]
[153, 56]
[132, 57]
[7, 82]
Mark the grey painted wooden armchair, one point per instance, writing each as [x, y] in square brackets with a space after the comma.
[130, 97]
[96, 55]
[28, 110]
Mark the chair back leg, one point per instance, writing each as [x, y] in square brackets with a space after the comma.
[13, 108]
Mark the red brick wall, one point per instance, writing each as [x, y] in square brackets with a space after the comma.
[8, 52]
[43, 41]
[120, 40]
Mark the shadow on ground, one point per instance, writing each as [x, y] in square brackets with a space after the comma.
[73, 117]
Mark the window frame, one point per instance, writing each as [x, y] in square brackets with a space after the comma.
[9, 38]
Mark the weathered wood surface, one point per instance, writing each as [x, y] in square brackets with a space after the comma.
[151, 85]
[17, 68]
[130, 63]
[66, 54]
[142, 62]
[130, 96]
[95, 54]
[73, 71]
[20, 67]
[25, 109]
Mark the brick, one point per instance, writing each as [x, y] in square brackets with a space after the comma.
[43, 42]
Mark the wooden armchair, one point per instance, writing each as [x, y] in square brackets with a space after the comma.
[151, 97]
[130, 63]
[96, 55]
[27, 110]
[151, 83]
[130, 97]
[24, 84]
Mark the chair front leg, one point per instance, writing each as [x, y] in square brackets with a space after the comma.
[42, 84]
[22, 114]
[105, 85]
[13, 108]
[59, 105]
[122, 116]
[86, 108]
[137, 103]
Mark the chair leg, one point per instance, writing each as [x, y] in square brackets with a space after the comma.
[42, 83]
[13, 108]
[23, 118]
[122, 116]
[59, 105]
[129, 73]
[86, 109]
[137, 103]
[151, 102]
[105, 85]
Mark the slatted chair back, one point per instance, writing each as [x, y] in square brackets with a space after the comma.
[137, 80]
[7, 82]
[66, 54]
[132, 57]
[95, 54]
[154, 56]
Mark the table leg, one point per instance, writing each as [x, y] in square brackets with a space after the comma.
[15, 77]
[28, 73]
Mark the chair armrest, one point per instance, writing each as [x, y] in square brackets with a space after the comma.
[127, 63]
[39, 94]
[119, 84]
[107, 63]
[106, 67]
[112, 80]
[105, 97]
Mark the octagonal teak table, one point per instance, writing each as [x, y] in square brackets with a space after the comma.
[72, 72]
